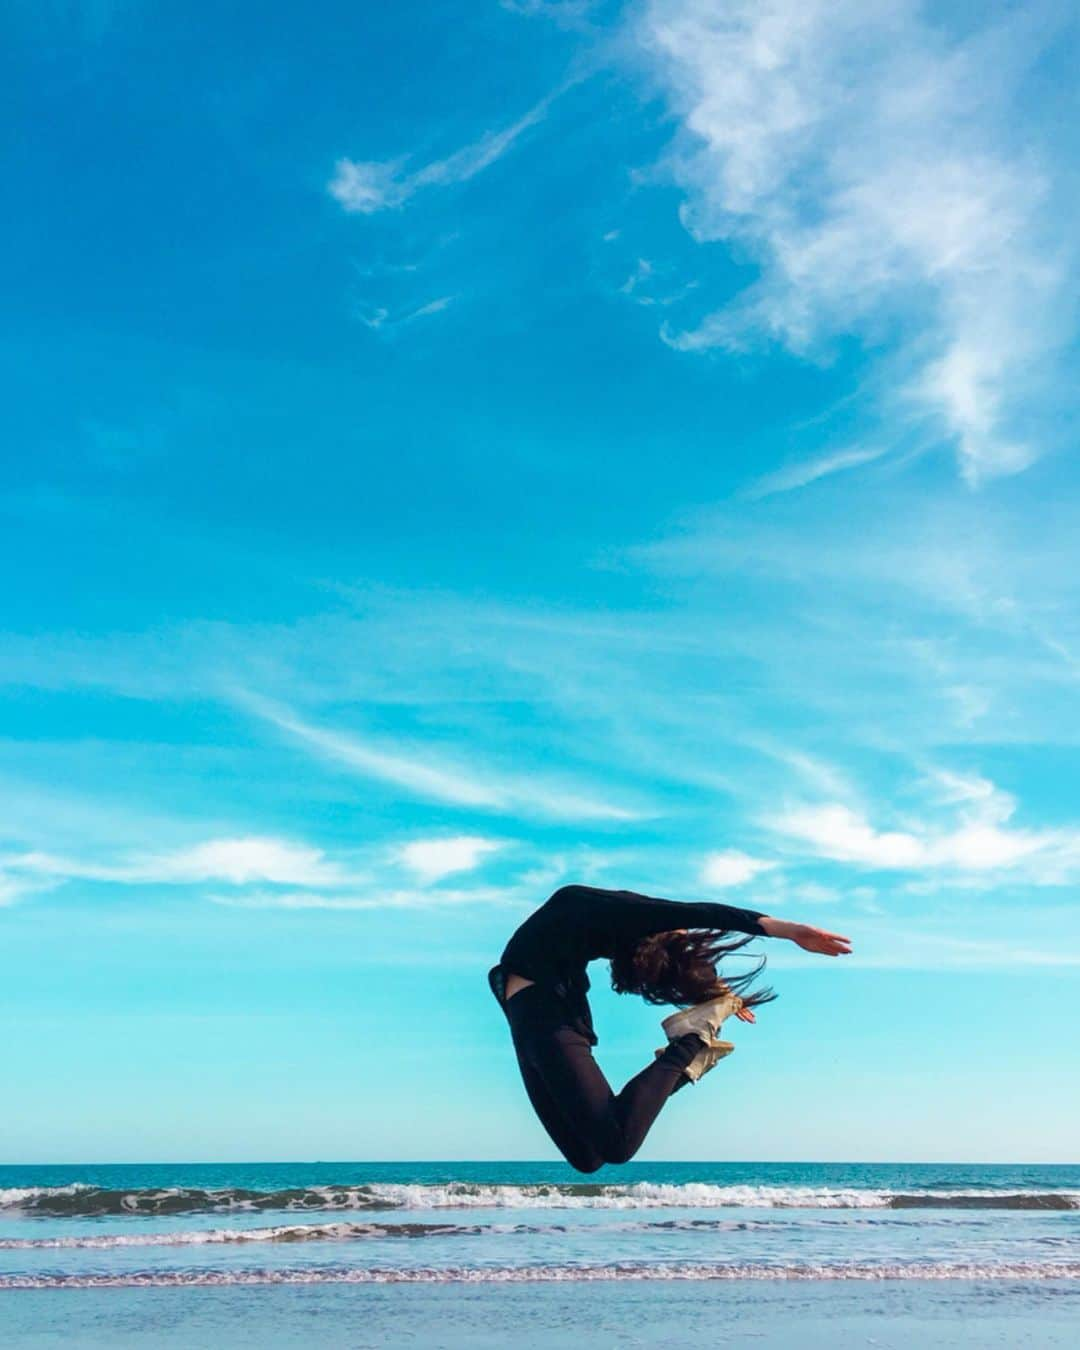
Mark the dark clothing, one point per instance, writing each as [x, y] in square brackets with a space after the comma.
[551, 1023]
[587, 1122]
[579, 924]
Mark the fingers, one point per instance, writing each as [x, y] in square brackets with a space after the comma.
[832, 944]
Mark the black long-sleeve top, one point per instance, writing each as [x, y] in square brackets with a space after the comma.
[579, 924]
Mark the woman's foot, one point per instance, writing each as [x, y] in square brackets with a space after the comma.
[704, 1019]
[711, 1053]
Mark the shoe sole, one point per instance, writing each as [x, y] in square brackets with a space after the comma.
[722, 1049]
[728, 1047]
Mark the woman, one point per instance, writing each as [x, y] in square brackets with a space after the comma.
[664, 950]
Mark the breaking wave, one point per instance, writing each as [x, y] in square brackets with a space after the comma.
[293, 1232]
[360, 1232]
[79, 1200]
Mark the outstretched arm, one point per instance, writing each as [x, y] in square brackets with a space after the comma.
[803, 935]
[635, 916]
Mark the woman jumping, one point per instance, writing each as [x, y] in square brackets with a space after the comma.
[664, 950]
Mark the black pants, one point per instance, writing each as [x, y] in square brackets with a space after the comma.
[589, 1124]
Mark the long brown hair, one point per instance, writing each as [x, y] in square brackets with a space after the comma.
[680, 968]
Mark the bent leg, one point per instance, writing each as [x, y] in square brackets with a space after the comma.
[532, 1018]
[609, 1125]
[576, 1150]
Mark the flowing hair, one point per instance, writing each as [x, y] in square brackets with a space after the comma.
[680, 968]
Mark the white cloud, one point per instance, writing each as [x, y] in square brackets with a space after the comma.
[245, 860]
[836, 831]
[732, 868]
[368, 186]
[432, 859]
[381, 898]
[979, 840]
[237, 861]
[876, 170]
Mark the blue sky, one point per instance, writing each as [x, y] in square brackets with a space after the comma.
[456, 450]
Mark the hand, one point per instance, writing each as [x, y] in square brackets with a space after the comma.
[746, 1015]
[818, 940]
[808, 938]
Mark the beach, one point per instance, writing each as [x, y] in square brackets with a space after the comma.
[454, 1254]
[691, 1314]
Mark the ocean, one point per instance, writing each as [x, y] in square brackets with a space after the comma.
[444, 1253]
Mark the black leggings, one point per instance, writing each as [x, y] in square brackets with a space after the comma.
[589, 1124]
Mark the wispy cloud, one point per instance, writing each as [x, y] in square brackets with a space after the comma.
[809, 471]
[16, 885]
[569, 12]
[377, 898]
[380, 319]
[368, 186]
[932, 586]
[238, 861]
[889, 187]
[892, 946]
[649, 285]
[740, 687]
[415, 774]
[432, 307]
[297, 875]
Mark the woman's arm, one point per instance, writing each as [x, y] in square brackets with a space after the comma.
[803, 935]
[633, 915]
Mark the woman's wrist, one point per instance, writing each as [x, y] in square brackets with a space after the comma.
[776, 928]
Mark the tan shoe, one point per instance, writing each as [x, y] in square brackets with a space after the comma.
[710, 1054]
[704, 1019]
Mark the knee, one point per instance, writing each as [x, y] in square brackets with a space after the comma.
[587, 1162]
[618, 1153]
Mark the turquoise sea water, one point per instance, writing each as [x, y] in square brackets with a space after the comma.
[122, 1243]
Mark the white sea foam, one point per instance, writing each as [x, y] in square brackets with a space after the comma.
[642, 1195]
[16, 1197]
[1016, 1271]
[343, 1231]
[284, 1233]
